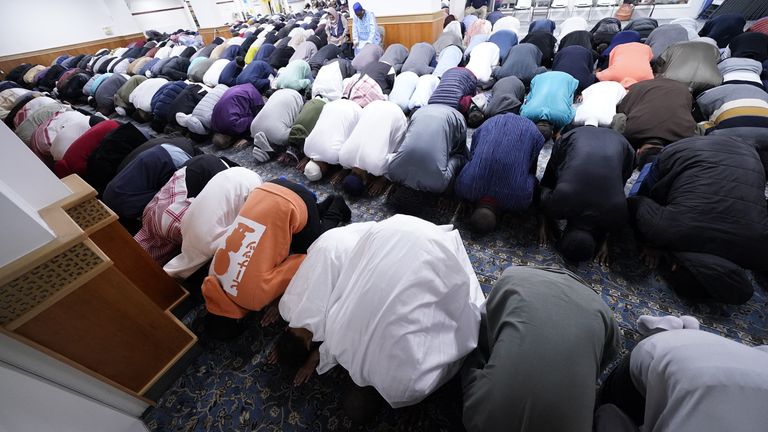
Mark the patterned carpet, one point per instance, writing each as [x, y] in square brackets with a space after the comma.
[230, 387]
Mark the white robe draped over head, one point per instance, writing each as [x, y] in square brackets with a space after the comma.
[404, 332]
[379, 131]
[333, 127]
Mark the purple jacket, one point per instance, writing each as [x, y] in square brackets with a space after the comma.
[237, 107]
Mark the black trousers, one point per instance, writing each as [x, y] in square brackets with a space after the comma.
[619, 390]
[321, 217]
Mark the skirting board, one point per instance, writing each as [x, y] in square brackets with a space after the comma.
[47, 56]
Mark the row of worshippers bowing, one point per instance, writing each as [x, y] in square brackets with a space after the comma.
[352, 132]
[701, 200]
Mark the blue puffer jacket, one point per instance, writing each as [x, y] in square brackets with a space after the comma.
[99, 79]
[148, 66]
[176, 68]
[231, 71]
[165, 96]
[231, 52]
[157, 68]
[256, 73]
[264, 52]
[72, 62]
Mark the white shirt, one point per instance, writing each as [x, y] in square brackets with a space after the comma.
[68, 129]
[209, 216]
[424, 89]
[507, 23]
[141, 96]
[571, 25]
[598, 106]
[694, 381]
[404, 86]
[335, 124]
[211, 76]
[329, 82]
[449, 57]
[379, 131]
[482, 61]
[403, 332]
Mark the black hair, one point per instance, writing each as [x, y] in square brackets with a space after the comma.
[577, 245]
[546, 129]
[475, 117]
[222, 141]
[483, 219]
[648, 155]
[291, 350]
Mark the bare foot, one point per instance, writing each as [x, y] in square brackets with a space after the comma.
[602, 256]
[339, 176]
[271, 314]
[302, 164]
[379, 186]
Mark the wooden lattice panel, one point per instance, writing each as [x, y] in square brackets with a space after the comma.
[44, 281]
[88, 213]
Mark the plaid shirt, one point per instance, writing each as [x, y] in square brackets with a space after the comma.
[760, 26]
[363, 90]
[160, 233]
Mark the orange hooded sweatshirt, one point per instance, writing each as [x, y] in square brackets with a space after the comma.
[254, 266]
[628, 64]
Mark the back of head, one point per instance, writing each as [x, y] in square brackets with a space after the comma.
[353, 185]
[483, 219]
[577, 244]
[546, 129]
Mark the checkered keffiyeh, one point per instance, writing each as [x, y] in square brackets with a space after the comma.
[363, 90]
[160, 233]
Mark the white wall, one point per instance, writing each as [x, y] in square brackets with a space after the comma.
[67, 22]
[31, 361]
[165, 21]
[208, 13]
[26, 186]
[399, 7]
[26, 174]
[28, 404]
[230, 10]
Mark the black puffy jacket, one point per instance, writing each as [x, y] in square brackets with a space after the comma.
[709, 197]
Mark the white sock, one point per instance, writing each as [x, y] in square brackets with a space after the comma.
[689, 322]
[648, 325]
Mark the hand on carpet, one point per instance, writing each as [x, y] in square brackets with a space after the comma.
[379, 186]
[308, 369]
[302, 164]
[285, 159]
[339, 176]
[271, 314]
[602, 257]
[650, 257]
